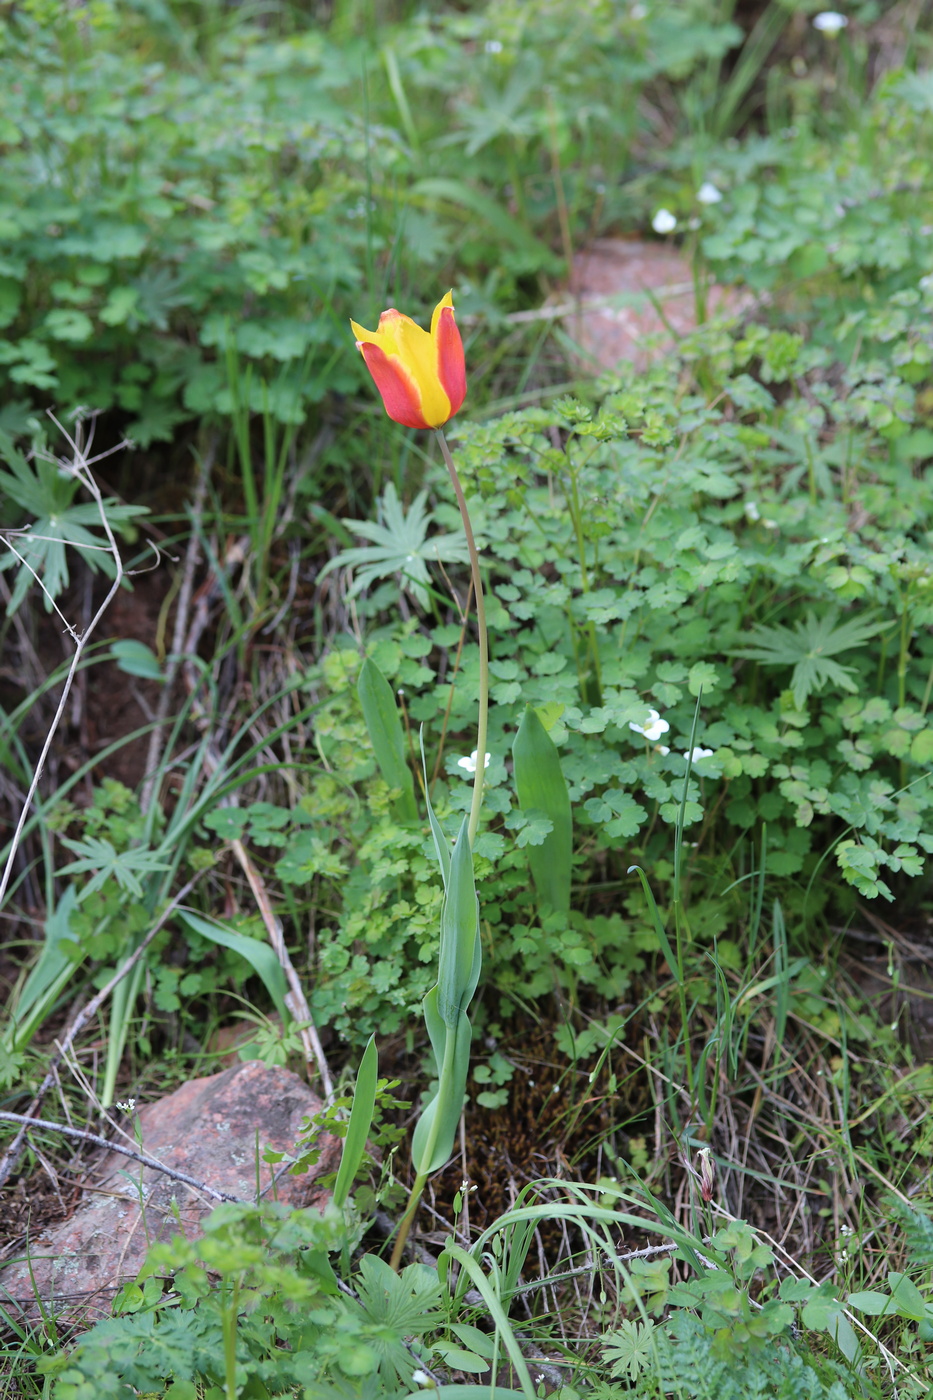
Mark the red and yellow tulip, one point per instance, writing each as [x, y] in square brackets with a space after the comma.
[420, 375]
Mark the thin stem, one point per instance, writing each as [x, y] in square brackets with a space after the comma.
[482, 637]
[577, 516]
[414, 1200]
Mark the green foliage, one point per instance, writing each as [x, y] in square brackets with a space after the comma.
[292, 1325]
[401, 545]
[44, 490]
[540, 787]
[381, 716]
[807, 646]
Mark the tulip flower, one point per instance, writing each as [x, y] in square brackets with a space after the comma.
[421, 375]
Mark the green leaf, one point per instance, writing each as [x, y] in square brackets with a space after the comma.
[542, 787]
[452, 1056]
[50, 974]
[136, 659]
[101, 856]
[921, 747]
[384, 726]
[259, 955]
[360, 1123]
[400, 546]
[807, 647]
[908, 1300]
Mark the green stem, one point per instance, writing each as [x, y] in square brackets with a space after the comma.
[414, 1198]
[577, 516]
[482, 636]
[903, 651]
[228, 1324]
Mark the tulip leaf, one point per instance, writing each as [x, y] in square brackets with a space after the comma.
[459, 955]
[433, 1142]
[542, 787]
[387, 737]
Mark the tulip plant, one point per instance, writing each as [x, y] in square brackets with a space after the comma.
[421, 377]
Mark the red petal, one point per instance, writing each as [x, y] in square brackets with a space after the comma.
[399, 391]
[451, 364]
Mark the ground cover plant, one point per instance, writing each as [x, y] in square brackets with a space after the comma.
[681, 1143]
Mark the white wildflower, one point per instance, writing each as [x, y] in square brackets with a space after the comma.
[830, 22]
[696, 754]
[708, 193]
[664, 221]
[420, 1377]
[469, 764]
[493, 45]
[127, 1107]
[752, 511]
[653, 730]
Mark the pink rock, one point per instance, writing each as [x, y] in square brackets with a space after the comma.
[208, 1129]
[620, 284]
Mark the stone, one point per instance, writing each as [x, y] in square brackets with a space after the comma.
[208, 1129]
[632, 299]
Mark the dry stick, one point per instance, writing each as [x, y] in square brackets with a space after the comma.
[11, 1157]
[295, 999]
[96, 1141]
[192, 558]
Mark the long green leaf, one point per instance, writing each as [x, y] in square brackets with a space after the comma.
[459, 955]
[259, 955]
[361, 1121]
[659, 929]
[542, 787]
[496, 1311]
[432, 1144]
[386, 735]
[50, 975]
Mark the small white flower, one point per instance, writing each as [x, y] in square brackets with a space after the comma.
[469, 764]
[127, 1107]
[663, 749]
[830, 22]
[493, 45]
[708, 193]
[664, 221]
[421, 1378]
[653, 730]
[752, 511]
[696, 754]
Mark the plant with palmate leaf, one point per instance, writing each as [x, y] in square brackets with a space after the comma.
[400, 545]
[808, 647]
[43, 488]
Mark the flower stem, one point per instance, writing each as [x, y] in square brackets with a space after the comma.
[483, 717]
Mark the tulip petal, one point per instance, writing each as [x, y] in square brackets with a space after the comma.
[451, 366]
[397, 388]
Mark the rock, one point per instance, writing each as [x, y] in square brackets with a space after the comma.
[207, 1129]
[620, 284]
